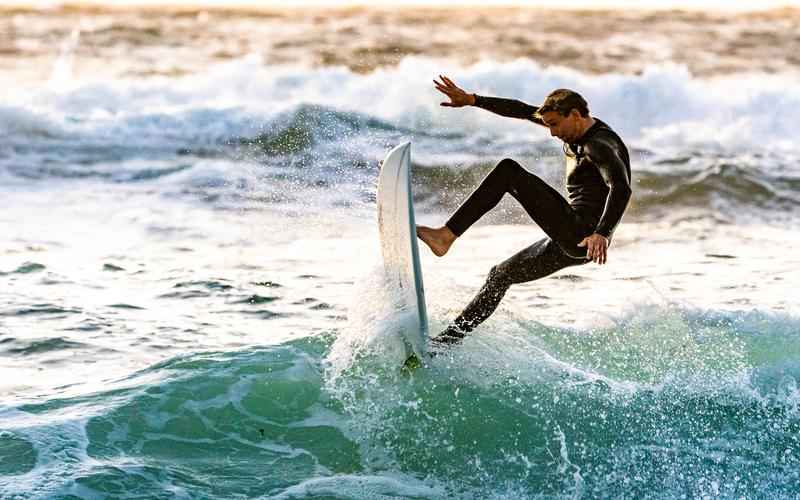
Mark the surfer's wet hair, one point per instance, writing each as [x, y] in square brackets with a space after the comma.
[563, 101]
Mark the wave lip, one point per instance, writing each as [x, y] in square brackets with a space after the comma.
[306, 126]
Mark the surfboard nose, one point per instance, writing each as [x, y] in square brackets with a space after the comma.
[399, 152]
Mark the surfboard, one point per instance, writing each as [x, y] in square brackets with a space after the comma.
[398, 234]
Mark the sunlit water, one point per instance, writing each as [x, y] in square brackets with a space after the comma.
[193, 304]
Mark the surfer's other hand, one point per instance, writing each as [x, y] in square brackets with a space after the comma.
[458, 97]
[596, 247]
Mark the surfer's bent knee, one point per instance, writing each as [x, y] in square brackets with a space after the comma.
[508, 165]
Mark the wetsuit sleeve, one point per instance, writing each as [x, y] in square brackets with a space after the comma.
[615, 175]
[508, 107]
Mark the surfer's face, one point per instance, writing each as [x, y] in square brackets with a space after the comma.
[563, 127]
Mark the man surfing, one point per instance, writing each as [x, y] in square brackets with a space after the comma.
[579, 230]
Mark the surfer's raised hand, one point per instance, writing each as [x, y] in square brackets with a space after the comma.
[458, 97]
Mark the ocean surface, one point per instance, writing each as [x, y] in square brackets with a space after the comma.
[192, 303]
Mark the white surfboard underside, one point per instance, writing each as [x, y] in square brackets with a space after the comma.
[399, 243]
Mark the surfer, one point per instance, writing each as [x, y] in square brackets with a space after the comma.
[578, 231]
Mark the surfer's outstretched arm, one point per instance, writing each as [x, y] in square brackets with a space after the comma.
[510, 108]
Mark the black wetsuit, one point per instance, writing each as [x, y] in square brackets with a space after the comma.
[598, 187]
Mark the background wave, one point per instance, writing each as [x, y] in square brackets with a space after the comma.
[245, 131]
[663, 107]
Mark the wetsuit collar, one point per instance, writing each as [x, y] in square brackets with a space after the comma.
[577, 146]
[589, 131]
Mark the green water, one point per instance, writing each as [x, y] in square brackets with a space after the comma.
[718, 419]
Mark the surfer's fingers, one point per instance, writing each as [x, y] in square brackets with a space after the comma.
[448, 82]
[447, 104]
[443, 89]
[448, 94]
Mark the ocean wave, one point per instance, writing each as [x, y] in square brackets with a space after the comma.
[723, 184]
[27, 123]
[716, 186]
[721, 188]
[668, 392]
[307, 126]
[664, 106]
[242, 132]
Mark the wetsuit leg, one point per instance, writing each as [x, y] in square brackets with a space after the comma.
[537, 261]
[544, 204]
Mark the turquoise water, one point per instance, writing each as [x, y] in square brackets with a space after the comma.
[682, 404]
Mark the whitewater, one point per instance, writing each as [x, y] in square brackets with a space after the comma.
[192, 300]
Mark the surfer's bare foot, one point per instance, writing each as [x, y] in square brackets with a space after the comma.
[438, 239]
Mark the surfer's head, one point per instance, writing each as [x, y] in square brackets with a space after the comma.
[565, 113]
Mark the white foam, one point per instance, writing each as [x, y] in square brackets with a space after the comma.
[16, 120]
[361, 486]
[665, 106]
[374, 327]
